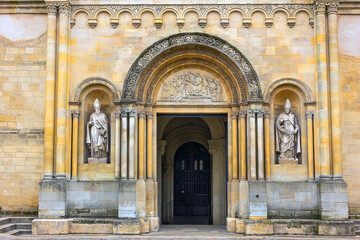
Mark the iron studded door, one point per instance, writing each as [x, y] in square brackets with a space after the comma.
[192, 181]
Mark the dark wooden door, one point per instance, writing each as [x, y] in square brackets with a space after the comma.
[192, 181]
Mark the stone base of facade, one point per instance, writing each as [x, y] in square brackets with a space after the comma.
[293, 227]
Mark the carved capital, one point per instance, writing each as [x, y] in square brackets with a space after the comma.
[260, 113]
[266, 114]
[251, 113]
[180, 22]
[123, 113]
[242, 114]
[75, 114]
[319, 7]
[216, 146]
[309, 114]
[141, 114]
[132, 113]
[51, 9]
[64, 9]
[150, 115]
[117, 114]
[161, 147]
[333, 8]
[234, 115]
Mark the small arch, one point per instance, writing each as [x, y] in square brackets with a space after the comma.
[81, 10]
[258, 10]
[147, 10]
[102, 10]
[212, 10]
[128, 10]
[303, 10]
[236, 10]
[280, 10]
[192, 10]
[291, 81]
[169, 10]
[96, 80]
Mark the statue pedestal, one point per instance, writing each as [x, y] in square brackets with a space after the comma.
[288, 161]
[97, 160]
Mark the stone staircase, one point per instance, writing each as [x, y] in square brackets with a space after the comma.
[15, 226]
[357, 226]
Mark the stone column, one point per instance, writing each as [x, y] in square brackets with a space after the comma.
[149, 145]
[141, 144]
[217, 150]
[335, 91]
[252, 145]
[234, 145]
[310, 138]
[75, 143]
[322, 90]
[260, 144]
[117, 144]
[132, 116]
[62, 72]
[267, 144]
[124, 141]
[242, 126]
[50, 93]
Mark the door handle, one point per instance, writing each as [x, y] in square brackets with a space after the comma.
[182, 192]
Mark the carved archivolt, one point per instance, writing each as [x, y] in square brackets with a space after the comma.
[158, 10]
[216, 44]
[96, 81]
[291, 81]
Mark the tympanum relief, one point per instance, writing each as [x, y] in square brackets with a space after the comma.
[287, 136]
[97, 135]
[191, 86]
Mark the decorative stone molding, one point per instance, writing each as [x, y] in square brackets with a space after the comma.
[309, 114]
[217, 44]
[319, 7]
[290, 81]
[72, 22]
[180, 22]
[132, 113]
[158, 22]
[251, 112]
[64, 9]
[117, 114]
[333, 8]
[291, 22]
[141, 114]
[51, 9]
[92, 22]
[25, 43]
[149, 115]
[269, 21]
[123, 113]
[114, 22]
[75, 114]
[242, 114]
[93, 81]
[266, 114]
[202, 10]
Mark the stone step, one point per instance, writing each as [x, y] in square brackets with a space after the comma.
[4, 221]
[17, 232]
[12, 226]
[21, 219]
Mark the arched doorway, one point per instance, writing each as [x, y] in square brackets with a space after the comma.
[192, 196]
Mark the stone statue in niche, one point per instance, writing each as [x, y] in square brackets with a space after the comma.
[97, 135]
[191, 86]
[287, 136]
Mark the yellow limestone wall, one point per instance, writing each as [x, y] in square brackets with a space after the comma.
[349, 57]
[22, 92]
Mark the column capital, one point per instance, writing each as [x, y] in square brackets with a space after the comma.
[75, 114]
[266, 114]
[251, 112]
[333, 8]
[123, 113]
[132, 113]
[64, 9]
[161, 147]
[141, 114]
[234, 115]
[51, 9]
[319, 7]
[150, 115]
[117, 114]
[242, 114]
[260, 113]
[216, 146]
[309, 114]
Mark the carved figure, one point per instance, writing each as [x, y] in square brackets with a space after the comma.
[287, 135]
[192, 86]
[97, 134]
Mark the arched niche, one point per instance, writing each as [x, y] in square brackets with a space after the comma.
[85, 95]
[298, 98]
[224, 58]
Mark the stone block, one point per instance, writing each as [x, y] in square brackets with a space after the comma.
[295, 227]
[332, 228]
[144, 226]
[257, 187]
[258, 197]
[50, 226]
[258, 227]
[240, 226]
[126, 226]
[258, 210]
[231, 224]
[154, 224]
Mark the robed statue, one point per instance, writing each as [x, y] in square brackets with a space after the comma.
[97, 135]
[287, 135]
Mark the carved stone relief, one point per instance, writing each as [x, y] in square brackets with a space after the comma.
[192, 85]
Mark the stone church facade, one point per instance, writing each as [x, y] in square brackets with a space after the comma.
[120, 116]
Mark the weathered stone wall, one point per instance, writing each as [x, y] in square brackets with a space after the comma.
[22, 92]
[349, 57]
